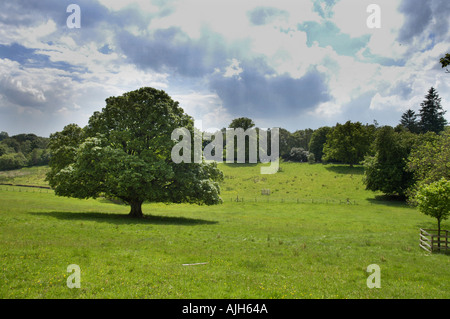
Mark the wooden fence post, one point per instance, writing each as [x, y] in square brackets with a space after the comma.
[446, 239]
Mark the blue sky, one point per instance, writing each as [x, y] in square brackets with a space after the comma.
[285, 63]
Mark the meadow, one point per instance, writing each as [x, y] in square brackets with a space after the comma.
[313, 237]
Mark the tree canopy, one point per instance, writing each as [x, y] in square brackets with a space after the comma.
[125, 152]
[409, 121]
[386, 171]
[242, 122]
[317, 142]
[434, 200]
[348, 143]
[22, 150]
[430, 157]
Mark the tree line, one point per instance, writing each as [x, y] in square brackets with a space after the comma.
[397, 161]
[23, 150]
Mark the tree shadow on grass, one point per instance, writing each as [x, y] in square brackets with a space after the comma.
[124, 219]
[341, 169]
[389, 200]
[442, 252]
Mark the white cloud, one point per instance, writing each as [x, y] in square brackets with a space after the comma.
[230, 18]
[27, 35]
[427, 59]
[326, 110]
[117, 5]
[205, 107]
[233, 69]
[350, 16]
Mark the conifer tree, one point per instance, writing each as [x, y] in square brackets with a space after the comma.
[431, 114]
[409, 121]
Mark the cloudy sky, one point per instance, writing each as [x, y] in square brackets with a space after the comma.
[294, 64]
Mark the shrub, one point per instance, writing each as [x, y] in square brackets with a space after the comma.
[298, 154]
[12, 161]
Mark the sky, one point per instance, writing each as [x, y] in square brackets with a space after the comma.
[283, 63]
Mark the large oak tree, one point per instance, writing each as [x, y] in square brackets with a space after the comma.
[125, 152]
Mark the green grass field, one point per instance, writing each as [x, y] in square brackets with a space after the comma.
[312, 237]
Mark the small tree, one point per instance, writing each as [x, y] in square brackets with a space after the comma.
[434, 200]
[429, 158]
[311, 158]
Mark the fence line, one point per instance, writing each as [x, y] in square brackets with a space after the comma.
[22, 185]
[237, 199]
[25, 188]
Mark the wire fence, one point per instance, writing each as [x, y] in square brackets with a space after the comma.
[234, 199]
[239, 199]
[25, 188]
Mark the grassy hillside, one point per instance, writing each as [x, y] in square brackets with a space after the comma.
[34, 176]
[302, 182]
[252, 249]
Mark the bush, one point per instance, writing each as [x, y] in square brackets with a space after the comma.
[4, 149]
[12, 161]
[311, 158]
[298, 154]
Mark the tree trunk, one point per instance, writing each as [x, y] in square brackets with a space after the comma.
[136, 209]
[439, 234]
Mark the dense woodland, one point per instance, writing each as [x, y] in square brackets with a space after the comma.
[22, 150]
